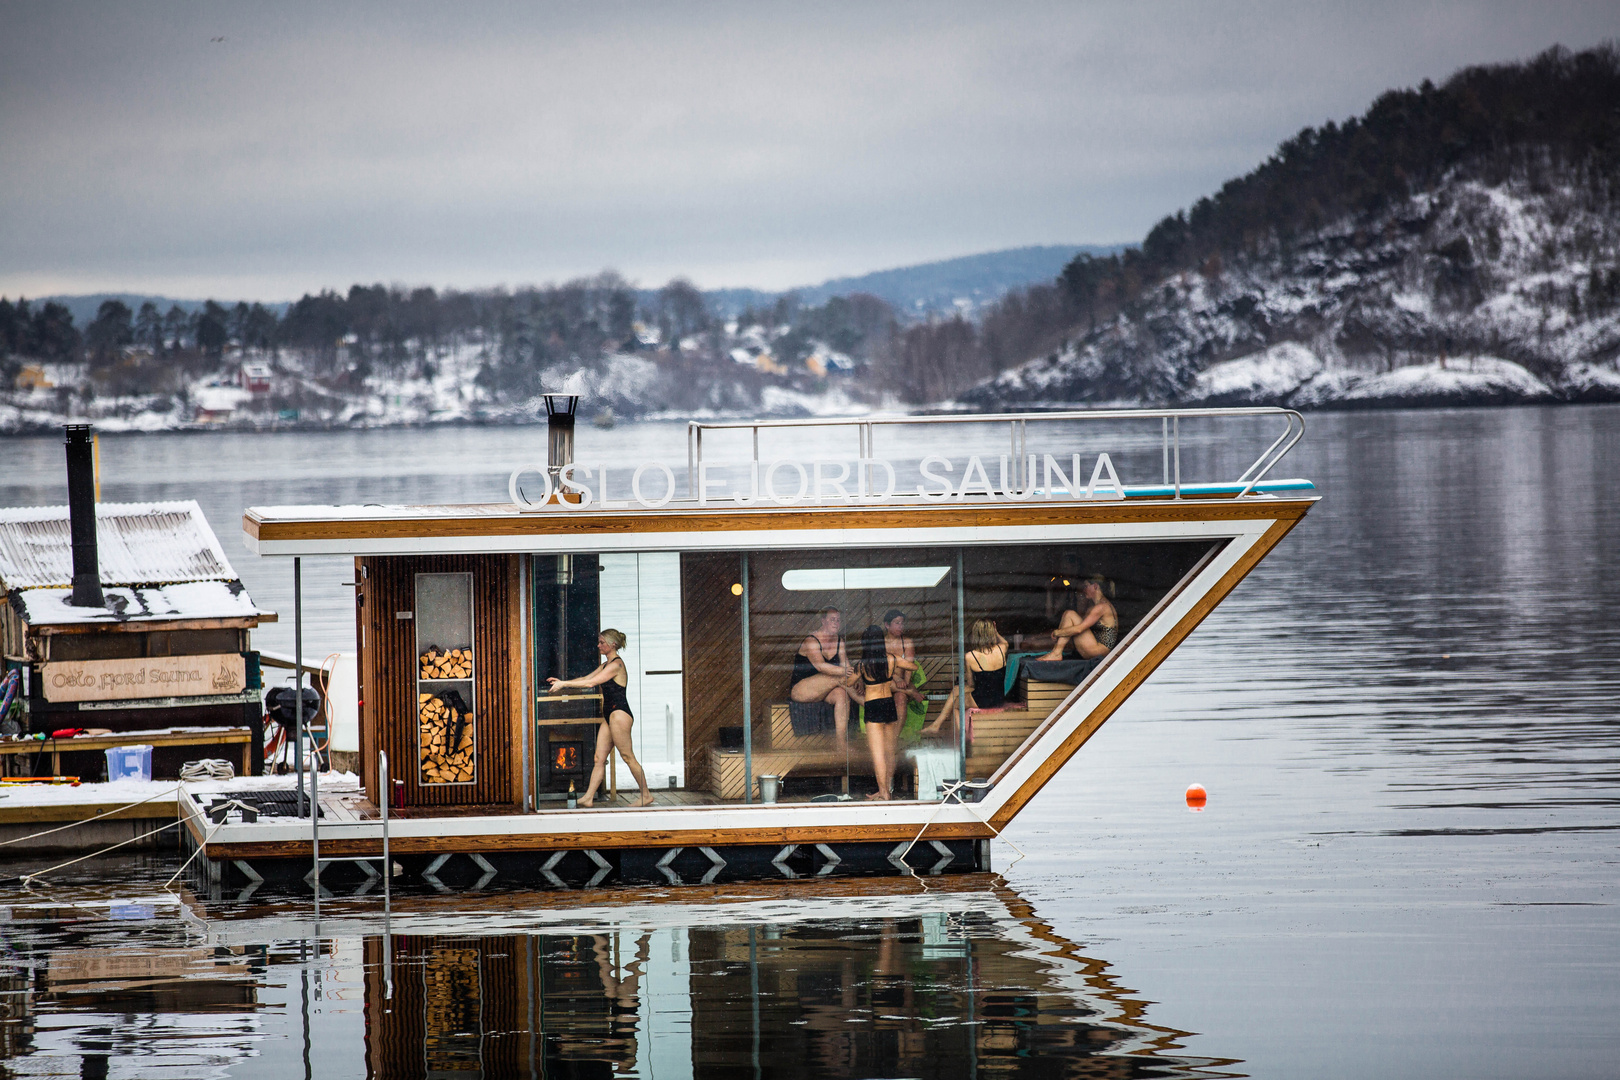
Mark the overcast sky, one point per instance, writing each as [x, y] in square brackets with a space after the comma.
[264, 150]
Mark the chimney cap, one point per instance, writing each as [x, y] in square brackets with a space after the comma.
[561, 404]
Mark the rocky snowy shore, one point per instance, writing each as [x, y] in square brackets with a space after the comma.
[1291, 374]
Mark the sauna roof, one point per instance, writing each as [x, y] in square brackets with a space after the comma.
[137, 544]
[159, 563]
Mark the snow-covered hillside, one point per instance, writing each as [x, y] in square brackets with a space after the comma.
[1480, 291]
[292, 391]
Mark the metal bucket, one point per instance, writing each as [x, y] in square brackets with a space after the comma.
[769, 787]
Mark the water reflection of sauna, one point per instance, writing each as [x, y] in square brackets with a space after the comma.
[514, 1005]
[952, 993]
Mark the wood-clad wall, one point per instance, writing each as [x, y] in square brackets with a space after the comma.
[711, 625]
[388, 676]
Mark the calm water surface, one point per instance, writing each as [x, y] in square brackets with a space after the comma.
[1407, 719]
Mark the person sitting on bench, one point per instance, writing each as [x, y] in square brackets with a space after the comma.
[986, 661]
[1090, 635]
[821, 672]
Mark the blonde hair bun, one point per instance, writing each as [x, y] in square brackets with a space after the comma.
[616, 639]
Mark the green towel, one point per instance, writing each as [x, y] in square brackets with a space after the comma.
[916, 711]
[1012, 669]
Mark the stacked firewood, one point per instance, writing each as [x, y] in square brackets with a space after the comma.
[440, 663]
[450, 1011]
[445, 735]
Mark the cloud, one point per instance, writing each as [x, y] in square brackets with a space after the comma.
[316, 145]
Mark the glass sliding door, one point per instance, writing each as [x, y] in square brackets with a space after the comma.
[566, 613]
[641, 597]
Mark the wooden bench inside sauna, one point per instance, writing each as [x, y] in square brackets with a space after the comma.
[780, 751]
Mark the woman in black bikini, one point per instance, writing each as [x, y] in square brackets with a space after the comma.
[615, 730]
[821, 671]
[986, 661]
[876, 676]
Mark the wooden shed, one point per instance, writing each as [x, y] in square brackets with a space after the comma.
[169, 646]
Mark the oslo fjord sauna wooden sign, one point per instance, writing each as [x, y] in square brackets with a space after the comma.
[140, 678]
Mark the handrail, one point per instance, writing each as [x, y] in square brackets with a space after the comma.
[1170, 433]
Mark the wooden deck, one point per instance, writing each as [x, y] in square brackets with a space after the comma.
[347, 806]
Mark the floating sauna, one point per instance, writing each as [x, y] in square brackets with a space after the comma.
[718, 570]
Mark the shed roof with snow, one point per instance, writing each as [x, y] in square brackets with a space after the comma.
[159, 562]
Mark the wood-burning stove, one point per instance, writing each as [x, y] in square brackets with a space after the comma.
[565, 742]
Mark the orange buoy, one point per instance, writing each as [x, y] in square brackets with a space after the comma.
[1197, 797]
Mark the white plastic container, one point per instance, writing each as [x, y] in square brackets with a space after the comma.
[129, 763]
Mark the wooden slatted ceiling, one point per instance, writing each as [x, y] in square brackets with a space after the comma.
[388, 675]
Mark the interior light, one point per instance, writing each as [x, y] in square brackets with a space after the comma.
[736, 590]
[1065, 581]
[864, 577]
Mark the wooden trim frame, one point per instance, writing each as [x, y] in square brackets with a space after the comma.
[517, 607]
[150, 625]
[501, 529]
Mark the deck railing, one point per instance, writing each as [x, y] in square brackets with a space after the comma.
[1018, 431]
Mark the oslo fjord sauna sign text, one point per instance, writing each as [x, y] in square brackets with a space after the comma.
[790, 483]
[140, 678]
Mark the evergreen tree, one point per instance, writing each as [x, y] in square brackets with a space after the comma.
[149, 328]
[109, 332]
[52, 334]
[211, 331]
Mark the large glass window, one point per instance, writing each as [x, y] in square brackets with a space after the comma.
[833, 674]
[446, 734]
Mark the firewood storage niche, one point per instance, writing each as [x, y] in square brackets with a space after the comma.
[446, 734]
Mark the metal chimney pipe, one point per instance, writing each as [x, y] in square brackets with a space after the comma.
[560, 432]
[81, 468]
[560, 452]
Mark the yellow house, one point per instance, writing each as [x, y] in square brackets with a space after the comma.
[33, 377]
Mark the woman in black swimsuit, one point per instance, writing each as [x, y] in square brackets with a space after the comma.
[615, 729]
[821, 671]
[876, 675]
[986, 662]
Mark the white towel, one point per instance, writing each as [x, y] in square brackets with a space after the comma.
[934, 765]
